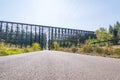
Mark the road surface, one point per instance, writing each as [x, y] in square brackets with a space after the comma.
[54, 65]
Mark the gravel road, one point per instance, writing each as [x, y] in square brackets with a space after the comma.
[54, 65]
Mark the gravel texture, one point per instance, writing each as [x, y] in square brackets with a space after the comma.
[54, 65]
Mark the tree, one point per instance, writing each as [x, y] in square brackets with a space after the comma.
[102, 34]
[111, 30]
[118, 29]
[115, 31]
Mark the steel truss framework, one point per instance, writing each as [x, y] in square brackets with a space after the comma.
[23, 34]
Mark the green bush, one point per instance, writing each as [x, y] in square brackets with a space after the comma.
[36, 46]
[108, 50]
[3, 49]
[74, 49]
[6, 49]
[12, 51]
[56, 45]
[28, 49]
[3, 53]
[87, 49]
[2, 45]
[117, 51]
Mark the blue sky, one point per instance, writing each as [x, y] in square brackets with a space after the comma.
[78, 14]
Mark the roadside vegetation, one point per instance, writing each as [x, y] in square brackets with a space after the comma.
[106, 43]
[7, 49]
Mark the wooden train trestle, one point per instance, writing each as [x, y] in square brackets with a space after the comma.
[23, 34]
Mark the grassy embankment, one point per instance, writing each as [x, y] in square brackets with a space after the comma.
[106, 51]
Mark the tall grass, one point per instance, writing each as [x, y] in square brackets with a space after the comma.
[6, 49]
[107, 51]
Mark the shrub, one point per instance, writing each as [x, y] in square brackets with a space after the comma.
[56, 45]
[28, 49]
[64, 49]
[12, 51]
[3, 53]
[74, 49]
[36, 46]
[6, 49]
[117, 51]
[98, 50]
[2, 45]
[3, 49]
[60, 49]
[67, 49]
[108, 50]
[87, 49]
